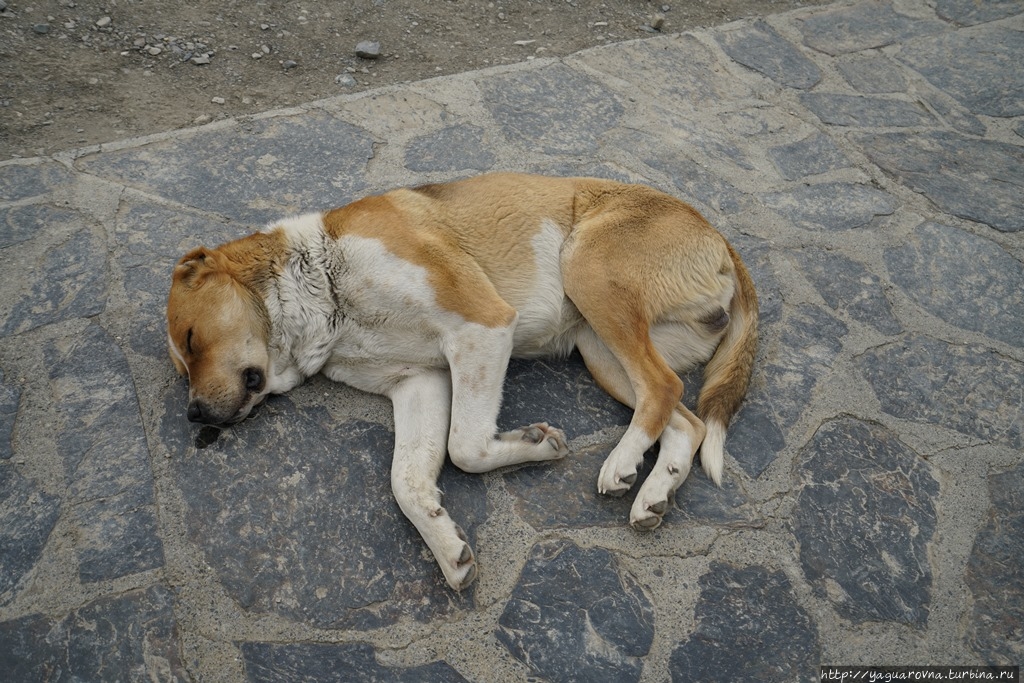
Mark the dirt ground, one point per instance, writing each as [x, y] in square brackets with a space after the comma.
[81, 72]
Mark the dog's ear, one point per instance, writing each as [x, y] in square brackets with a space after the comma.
[194, 264]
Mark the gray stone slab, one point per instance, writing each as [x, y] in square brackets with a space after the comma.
[872, 74]
[68, 281]
[22, 223]
[759, 47]
[679, 73]
[334, 663]
[995, 576]
[564, 495]
[830, 206]
[21, 181]
[455, 148]
[837, 109]
[693, 182]
[27, 516]
[278, 166]
[574, 615]
[980, 68]
[966, 280]
[561, 392]
[968, 388]
[840, 30]
[132, 637]
[749, 628]
[103, 445]
[294, 512]
[971, 12]
[813, 155]
[955, 114]
[554, 109]
[10, 399]
[864, 519]
[846, 285]
[980, 180]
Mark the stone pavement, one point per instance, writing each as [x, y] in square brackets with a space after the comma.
[867, 159]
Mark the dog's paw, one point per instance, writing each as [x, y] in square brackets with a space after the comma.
[647, 515]
[552, 441]
[615, 478]
[461, 571]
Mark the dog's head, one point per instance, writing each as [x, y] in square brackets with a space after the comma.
[217, 333]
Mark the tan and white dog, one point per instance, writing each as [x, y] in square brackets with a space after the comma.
[424, 294]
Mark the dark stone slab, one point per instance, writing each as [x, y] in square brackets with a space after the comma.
[971, 12]
[106, 460]
[971, 389]
[555, 108]
[18, 181]
[131, 637]
[759, 47]
[749, 628]
[294, 512]
[22, 223]
[810, 156]
[454, 148]
[327, 663]
[846, 285]
[966, 280]
[575, 615]
[10, 398]
[865, 112]
[873, 74]
[954, 113]
[830, 206]
[681, 74]
[560, 392]
[783, 386]
[69, 281]
[27, 516]
[279, 166]
[980, 68]
[756, 255]
[980, 180]
[839, 30]
[564, 495]
[692, 181]
[995, 576]
[864, 519]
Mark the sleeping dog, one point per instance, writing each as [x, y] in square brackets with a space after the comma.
[424, 294]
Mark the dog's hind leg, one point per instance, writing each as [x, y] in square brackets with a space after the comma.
[679, 441]
[478, 357]
[422, 407]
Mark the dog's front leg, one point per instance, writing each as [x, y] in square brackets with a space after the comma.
[422, 407]
[478, 357]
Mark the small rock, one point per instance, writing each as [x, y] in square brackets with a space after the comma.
[345, 80]
[368, 49]
[41, 29]
[257, 55]
[289, 64]
[139, 42]
[3, 5]
[103, 22]
[154, 50]
[201, 119]
[201, 59]
[523, 43]
[658, 21]
[218, 100]
[264, 27]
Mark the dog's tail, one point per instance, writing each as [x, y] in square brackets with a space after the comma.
[727, 374]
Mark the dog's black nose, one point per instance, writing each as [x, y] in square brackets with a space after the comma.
[197, 412]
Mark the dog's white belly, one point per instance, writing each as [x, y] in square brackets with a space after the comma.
[548, 320]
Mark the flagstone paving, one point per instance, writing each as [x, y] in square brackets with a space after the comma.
[865, 158]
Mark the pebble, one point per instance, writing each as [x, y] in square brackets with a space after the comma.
[103, 22]
[154, 50]
[257, 55]
[265, 49]
[218, 100]
[201, 119]
[368, 49]
[201, 59]
[41, 29]
[345, 80]
[658, 21]
[289, 64]
[3, 5]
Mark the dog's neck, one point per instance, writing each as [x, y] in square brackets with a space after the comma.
[298, 297]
